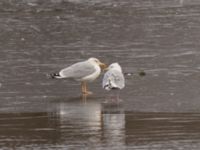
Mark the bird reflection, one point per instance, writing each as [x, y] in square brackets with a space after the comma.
[70, 123]
[105, 122]
[113, 123]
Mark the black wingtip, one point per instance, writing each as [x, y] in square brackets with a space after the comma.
[52, 75]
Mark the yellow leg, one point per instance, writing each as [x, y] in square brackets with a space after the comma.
[84, 88]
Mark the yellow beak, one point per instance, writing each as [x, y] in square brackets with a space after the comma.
[103, 66]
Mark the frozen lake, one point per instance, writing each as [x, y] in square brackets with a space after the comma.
[160, 110]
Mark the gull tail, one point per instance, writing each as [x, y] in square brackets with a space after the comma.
[54, 75]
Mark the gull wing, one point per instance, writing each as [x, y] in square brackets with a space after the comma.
[113, 79]
[77, 71]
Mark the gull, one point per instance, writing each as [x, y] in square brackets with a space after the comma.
[113, 78]
[85, 71]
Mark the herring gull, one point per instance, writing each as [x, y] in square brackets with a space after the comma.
[113, 78]
[85, 71]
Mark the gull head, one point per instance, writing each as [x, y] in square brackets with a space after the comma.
[115, 66]
[96, 61]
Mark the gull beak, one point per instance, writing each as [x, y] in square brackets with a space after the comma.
[103, 66]
[105, 69]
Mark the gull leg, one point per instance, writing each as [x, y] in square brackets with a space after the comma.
[84, 89]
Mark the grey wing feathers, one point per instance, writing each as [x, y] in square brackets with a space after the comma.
[77, 71]
[113, 79]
